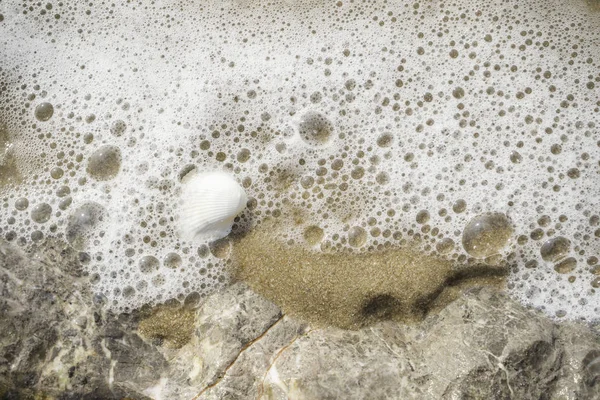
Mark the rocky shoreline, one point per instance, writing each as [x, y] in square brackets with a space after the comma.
[58, 342]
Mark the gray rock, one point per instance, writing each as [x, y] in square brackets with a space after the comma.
[57, 342]
[227, 325]
[482, 346]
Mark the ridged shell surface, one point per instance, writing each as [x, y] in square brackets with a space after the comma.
[211, 200]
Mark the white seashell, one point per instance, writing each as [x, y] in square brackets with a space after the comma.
[211, 200]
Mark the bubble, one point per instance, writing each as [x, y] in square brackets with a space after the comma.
[445, 246]
[357, 236]
[458, 93]
[57, 173]
[537, 234]
[315, 129]
[105, 163]
[243, 155]
[515, 157]
[36, 236]
[531, 264]
[41, 213]
[556, 149]
[128, 292]
[148, 264]
[307, 181]
[21, 204]
[385, 140]
[203, 251]
[65, 203]
[44, 111]
[337, 164]
[573, 173]
[382, 178]
[63, 191]
[566, 266]
[459, 206]
[422, 217]
[487, 234]
[84, 223]
[313, 235]
[118, 128]
[172, 260]
[357, 173]
[555, 249]
[88, 138]
[220, 248]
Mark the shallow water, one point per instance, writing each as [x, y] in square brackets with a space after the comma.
[360, 127]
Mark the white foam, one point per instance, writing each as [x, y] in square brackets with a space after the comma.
[194, 84]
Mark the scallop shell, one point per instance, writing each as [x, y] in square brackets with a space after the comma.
[211, 200]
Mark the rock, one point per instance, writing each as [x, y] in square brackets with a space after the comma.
[57, 342]
[46, 350]
[482, 346]
[244, 378]
[227, 324]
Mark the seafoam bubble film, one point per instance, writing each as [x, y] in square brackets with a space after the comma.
[372, 122]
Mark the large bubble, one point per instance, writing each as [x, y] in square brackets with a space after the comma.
[104, 163]
[487, 234]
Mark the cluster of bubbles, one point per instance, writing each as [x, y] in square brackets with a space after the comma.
[470, 129]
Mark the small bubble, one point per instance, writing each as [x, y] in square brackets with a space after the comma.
[555, 249]
[21, 204]
[63, 191]
[357, 236]
[220, 248]
[357, 173]
[44, 111]
[382, 178]
[41, 213]
[148, 264]
[105, 163]
[445, 246]
[515, 157]
[422, 217]
[459, 206]
[566, 266]
[128, 292]
[458, 93]
[172, 260]
[531, 264]
[243, 155]
[307, 181]
[385, 140]
[56, 173]
[537, 234]
[65, 203]
[573, 173]
[36, 236]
